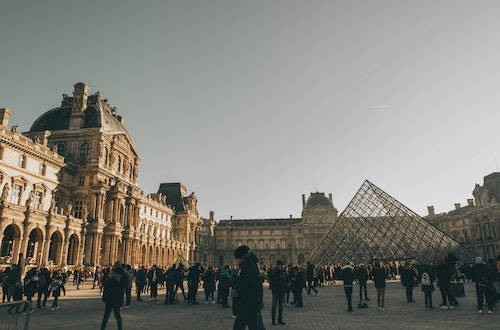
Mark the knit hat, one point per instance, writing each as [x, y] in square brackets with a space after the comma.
[240, 252]
[479, 260]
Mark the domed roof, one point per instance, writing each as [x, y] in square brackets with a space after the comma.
[95, 114]
[317, 199]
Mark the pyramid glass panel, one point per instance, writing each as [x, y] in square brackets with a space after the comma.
[376, 226]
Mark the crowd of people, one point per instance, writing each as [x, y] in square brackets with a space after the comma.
[240, 286]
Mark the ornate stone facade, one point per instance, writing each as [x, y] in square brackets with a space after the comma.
[291, 240]
[70, 194]
[476, 226]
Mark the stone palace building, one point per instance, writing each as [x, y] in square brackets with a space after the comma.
[69, 193]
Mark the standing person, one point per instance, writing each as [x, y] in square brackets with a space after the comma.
[180, 281]
[484, 285]
[348, 277]
[408, 277]
[278, 284]
[362, 275]
[379, 277]
[443, 275]
[310, 279]
[298, 280]
[224, 285]
[128, 290]
[171, 277]
[248, 285]
[209, 285]
[193, 279]
[114, 286]
[55, 287]
[426, 279]
[153, 279]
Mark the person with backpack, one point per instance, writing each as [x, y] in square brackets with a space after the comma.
[426, 280]
[55, 287]
[31, 285]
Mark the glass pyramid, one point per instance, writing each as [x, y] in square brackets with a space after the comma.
[375, 226]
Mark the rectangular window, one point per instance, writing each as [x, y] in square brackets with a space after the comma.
[16, 194]
[22, 161]
[272, 244]
[283, 244]
[41, 169]
[81, 181]
[78, 208]
[261, 245]
[38, 200]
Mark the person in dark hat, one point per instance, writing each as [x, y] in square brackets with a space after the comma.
[249, 289]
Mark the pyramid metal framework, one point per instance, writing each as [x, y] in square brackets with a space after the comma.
[375, 226]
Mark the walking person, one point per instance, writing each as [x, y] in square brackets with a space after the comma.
[171, 277]
[44, 281]
[278, 285]
[128, 290]
[114, 286]
[180, 281]
[31, 286]
[348, 277]
[426, 279]
[140, 282]
[310, 279]
[55, 287]
[154, 277]
[248, 285]
[379, 276]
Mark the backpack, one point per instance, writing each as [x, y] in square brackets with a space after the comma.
[426, 279]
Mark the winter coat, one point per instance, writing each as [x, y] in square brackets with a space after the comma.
[248, 284]
[114, 287]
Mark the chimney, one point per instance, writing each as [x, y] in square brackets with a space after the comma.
[5, 113]
[330, 196]
[470, 202]
[290, 216]
[430, 209]
[457, 206]
[303, 201]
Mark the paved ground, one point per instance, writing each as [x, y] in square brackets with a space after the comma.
[83, 309]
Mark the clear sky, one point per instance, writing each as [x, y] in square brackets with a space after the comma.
[251, 104]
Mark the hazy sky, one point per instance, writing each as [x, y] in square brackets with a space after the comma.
[251, 104]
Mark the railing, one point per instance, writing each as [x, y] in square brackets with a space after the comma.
[15, 315]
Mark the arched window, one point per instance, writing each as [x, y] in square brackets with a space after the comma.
[84, 153]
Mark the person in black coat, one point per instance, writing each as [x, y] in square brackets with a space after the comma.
[278, 284]
[115, 284]
[379, 276]
[443, 275]
[140, 282]
[348, 277]
[408, 280]
[426, 279]
[193, 279]
[249, 287]
[484, 285]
